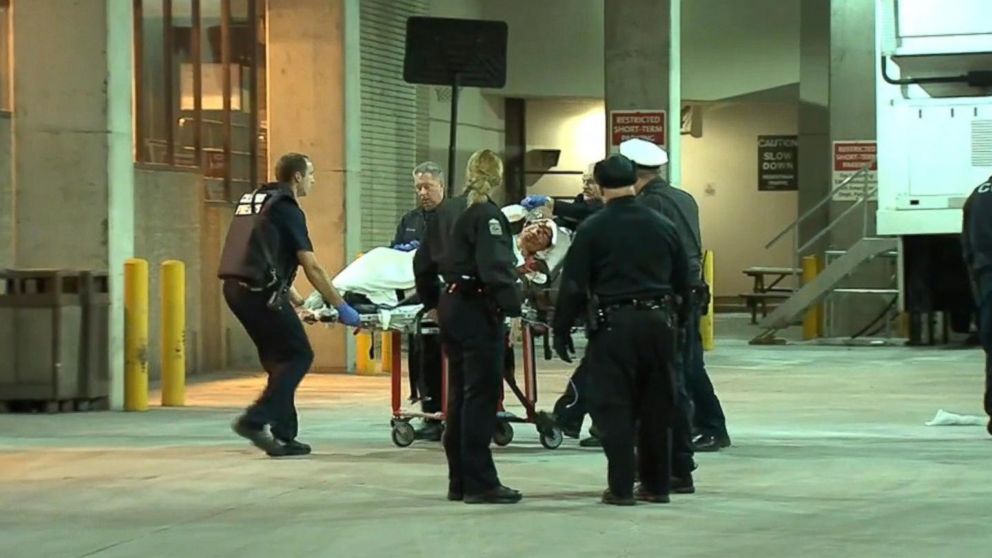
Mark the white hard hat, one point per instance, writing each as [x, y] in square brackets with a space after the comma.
[643, 153]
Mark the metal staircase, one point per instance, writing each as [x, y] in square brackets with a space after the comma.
[847, 262]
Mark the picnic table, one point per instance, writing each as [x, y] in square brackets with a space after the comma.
[767, 287]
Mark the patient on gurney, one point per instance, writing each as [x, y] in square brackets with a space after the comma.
[382, 279]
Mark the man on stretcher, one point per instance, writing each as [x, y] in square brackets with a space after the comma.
[382, 279]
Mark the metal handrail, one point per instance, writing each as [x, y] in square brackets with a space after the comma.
[819, 204]
[864, 199]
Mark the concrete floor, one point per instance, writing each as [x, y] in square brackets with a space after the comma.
[831, 458]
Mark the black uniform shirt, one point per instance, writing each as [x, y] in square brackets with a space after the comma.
[482, 248]
[572, 214]
[294, 237]
[681, 209]
[976, 230]
[412, 226]
[623, 252]
[431, 259]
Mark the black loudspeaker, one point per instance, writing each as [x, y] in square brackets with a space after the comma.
[456, 53]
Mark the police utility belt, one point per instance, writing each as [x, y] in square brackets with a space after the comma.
[600, 315]
[465, 285]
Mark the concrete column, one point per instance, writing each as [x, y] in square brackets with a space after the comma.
[353, 144]
[852, 117]
[73, 168]
[814, 114]
[637, 39]
[306, 114]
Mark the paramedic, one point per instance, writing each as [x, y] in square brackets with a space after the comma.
[271, 235]
[629, 267]
[477, 263]
[700, 405]
[976, 240]
[424, 355]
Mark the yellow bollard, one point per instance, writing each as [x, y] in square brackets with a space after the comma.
[811, 321]
[173, 326]
[386, 353]
[707, 327]
[364, 361]
[136, 335]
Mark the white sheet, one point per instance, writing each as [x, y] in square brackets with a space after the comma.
[378, 274]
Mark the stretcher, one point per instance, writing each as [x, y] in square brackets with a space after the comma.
[411, 320]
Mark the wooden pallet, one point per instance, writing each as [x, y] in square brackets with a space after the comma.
[31, 406]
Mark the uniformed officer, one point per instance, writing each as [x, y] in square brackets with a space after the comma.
[976, 240]
[266, 242]
[628, 270]
[680, 207]
[477, 262]
[424, 355]
[572, 214]
[571, 408]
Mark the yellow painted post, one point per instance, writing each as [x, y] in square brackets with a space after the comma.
[707, 327]
[136, 335]
[173, 326]
[386, 353]
[811, 321]
[364, 363]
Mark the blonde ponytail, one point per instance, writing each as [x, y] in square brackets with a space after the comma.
[483, 176]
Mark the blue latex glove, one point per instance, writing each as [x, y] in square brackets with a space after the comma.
[407, 246]
[532, 202]
[348, 315]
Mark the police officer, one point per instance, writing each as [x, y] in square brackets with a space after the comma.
[477, 262]
[424, 355]
[976, 240]
[266, 242]
[572, 406]
[628, 269]
[572, 214]
[680, 207]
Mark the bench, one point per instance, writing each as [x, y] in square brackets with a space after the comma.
[754, 300]
[773, 291]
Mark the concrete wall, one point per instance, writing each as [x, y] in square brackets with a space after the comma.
[576, 127]
[306, 111]
[561, 34]
[168, 214]
[728, 48]
[61, 167]
[721, 171]
[6, 194]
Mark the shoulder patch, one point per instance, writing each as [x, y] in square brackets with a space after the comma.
[495, 228]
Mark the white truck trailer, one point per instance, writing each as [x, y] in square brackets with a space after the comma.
[934, 130]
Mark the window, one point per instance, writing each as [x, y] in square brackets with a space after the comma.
[200, 90]
[6, 40]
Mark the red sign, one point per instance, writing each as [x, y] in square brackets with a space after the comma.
[850, 156]
[644, 124]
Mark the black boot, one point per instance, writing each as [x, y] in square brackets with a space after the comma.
[499, 495]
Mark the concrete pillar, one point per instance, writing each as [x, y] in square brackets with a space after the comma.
[852, 117]
[638, 39]
[814, 115]
[306, 114]
[73, 169]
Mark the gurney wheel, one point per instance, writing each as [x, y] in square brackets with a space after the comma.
[503, 434]
[552, 440]
[403, 434]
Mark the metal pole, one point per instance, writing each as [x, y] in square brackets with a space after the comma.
[453, 135]
[864, 200]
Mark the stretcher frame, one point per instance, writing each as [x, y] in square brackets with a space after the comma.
[403, 434]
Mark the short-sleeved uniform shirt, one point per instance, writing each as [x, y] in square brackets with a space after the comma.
[294, 237]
